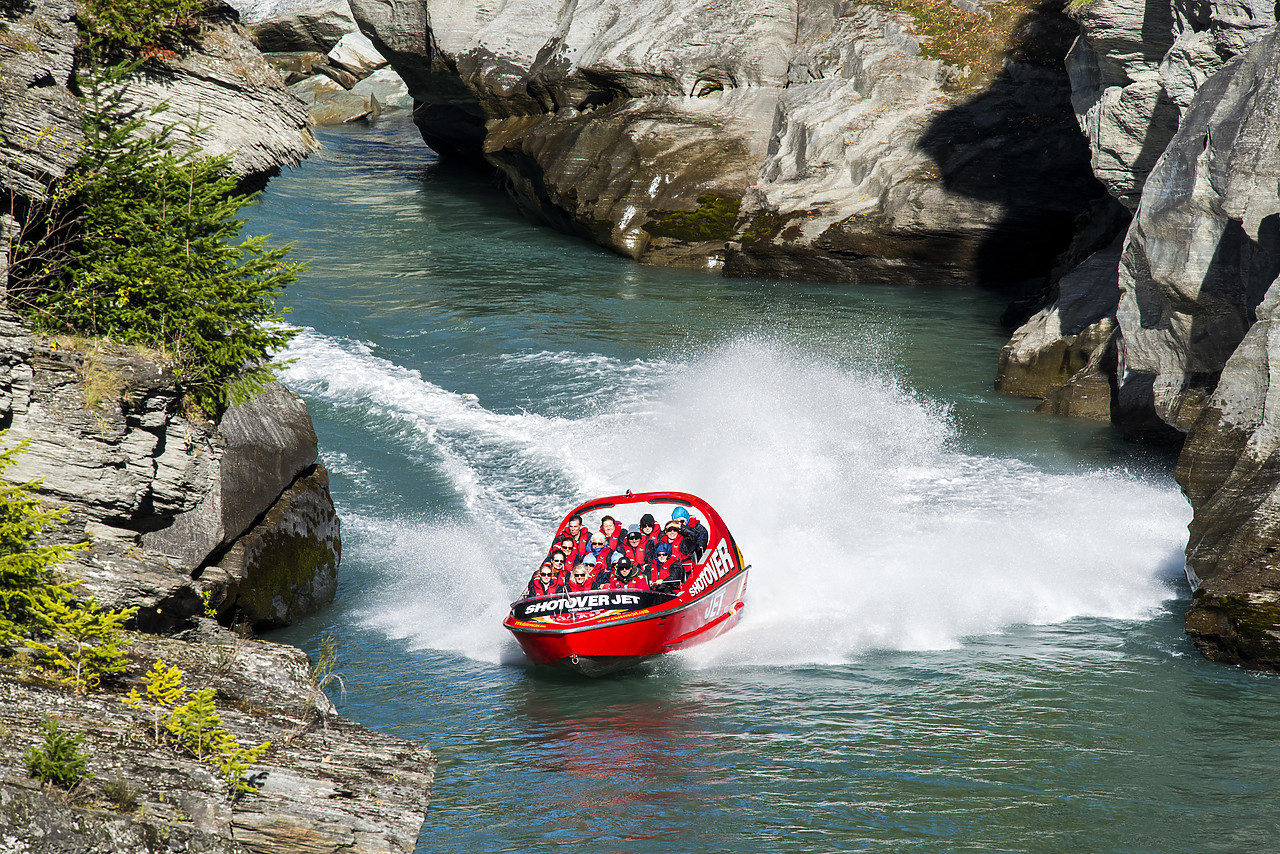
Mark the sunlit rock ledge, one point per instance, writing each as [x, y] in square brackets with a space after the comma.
[790, 138]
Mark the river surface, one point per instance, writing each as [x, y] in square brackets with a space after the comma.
[963, 630]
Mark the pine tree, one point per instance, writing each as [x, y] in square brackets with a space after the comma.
[88, 640]
[58, 759]
[157, 263]
[26, 577]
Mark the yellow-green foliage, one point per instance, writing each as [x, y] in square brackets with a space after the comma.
[88, 641]
[713, 219]
[26, 575]
[196, 725]
[164, 688]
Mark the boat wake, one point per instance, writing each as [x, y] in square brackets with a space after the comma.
[865, 524]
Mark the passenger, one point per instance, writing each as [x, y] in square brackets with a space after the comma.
[576, 531]
[544, 582]
[604, 570]
[612, 532]
[649, 528]
[559, 561]
[693, 530]
[633, 546]
[599, 548]
[658, 563]
[627, 576]
[681, 547]
[581, 576]
[570, 551]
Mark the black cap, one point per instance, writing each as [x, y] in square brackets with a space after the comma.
[646, 519]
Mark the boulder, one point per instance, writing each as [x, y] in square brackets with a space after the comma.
[386, 89]
[297, 65]
[293, 25]
[1064, 338]
[258, 450]
[789, 138]
[285, 567]
[357, 55]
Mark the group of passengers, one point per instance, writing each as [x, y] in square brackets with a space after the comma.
[641, 557]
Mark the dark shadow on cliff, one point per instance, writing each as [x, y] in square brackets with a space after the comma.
[1016, 144]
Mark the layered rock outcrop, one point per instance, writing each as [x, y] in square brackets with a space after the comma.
[1186, 292]
[325, 785]
[180, 513]
[797, 138]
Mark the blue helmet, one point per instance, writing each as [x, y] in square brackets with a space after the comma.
[681, 515]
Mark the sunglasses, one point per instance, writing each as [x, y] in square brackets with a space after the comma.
[558, 560]
[633, 536]
[579, 575]
[544, 575]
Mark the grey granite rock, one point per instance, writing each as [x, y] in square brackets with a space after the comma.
[1136, 67]
[1062, 339]
[289, 25]
[286, 566]
[790, 138]
[226, 98]
[1203, 248]
[258, 450]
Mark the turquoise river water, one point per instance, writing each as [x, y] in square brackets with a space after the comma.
[963, 629]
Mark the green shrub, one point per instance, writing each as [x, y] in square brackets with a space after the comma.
[156, 263]
[26, 576]
[138, 24]
[58, 760]
[88, 640]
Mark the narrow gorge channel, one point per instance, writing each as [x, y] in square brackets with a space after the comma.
[964, 629]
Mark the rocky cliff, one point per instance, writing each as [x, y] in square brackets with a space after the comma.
[1171, 325]
[181, 517]
[796, 138]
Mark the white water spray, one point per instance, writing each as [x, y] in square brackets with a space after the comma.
[865, 527]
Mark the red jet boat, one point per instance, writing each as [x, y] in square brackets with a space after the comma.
[600, 631]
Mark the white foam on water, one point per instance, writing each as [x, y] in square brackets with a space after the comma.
[866, 528]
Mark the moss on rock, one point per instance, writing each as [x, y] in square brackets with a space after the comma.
[713, 219]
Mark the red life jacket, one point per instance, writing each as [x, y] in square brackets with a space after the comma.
[613, 540]
[584, 586]
[636, 582]
[537, 588]
[661, 569]
[635, 553]
[580, 541]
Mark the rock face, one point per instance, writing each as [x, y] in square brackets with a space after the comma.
[162, 497]
[289, 25]
[1204, 245]
[325, 784]
[792, 138]
[1227, 158]
[1187, 290]
[233, 99]
[1136, 67]
[222, 87]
